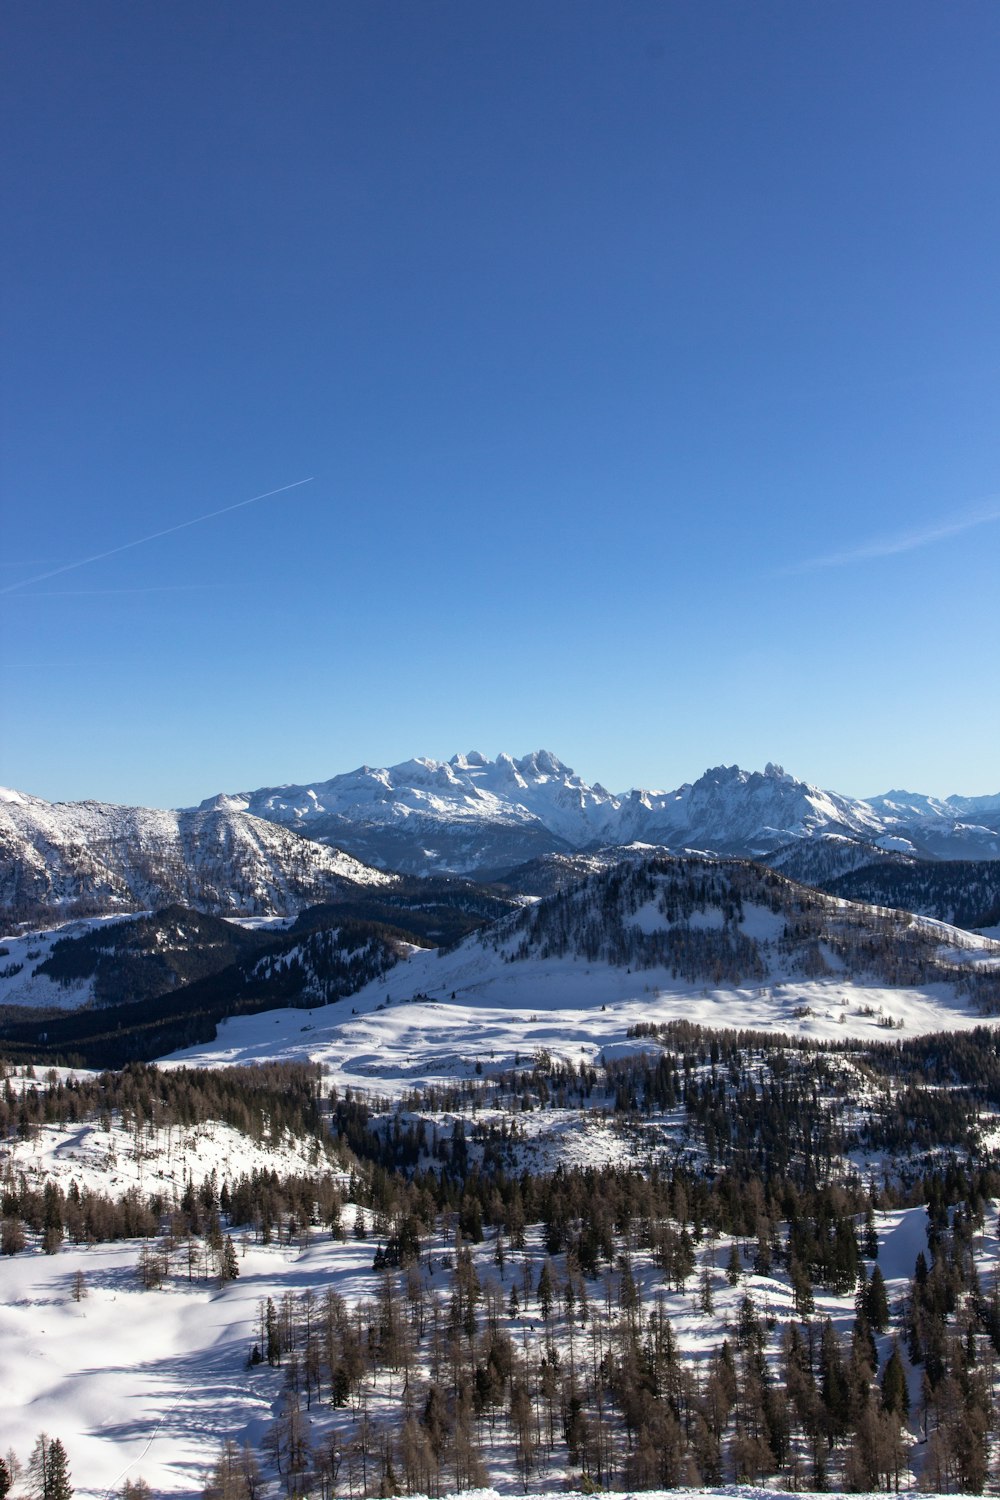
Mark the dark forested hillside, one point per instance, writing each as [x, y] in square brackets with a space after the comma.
[312, 967]
[732, 921]
[965, 892]
[142, 957]
[439, 910]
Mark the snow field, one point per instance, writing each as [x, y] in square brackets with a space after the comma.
[149, 1383]
[405, 1030]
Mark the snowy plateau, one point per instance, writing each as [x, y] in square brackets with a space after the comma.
[634, 1170]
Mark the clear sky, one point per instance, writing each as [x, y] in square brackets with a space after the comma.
[644, 361]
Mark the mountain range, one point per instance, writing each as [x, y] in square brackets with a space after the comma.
[472, 815]
[276, 849]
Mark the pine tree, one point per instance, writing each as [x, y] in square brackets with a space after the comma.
[895, 1396]
[545, 1291]
[273, 1348]
[229, 1266]
[136, 1489]
[877, 1302]
[48, 1469]
[59, 1476]
[52, 1229]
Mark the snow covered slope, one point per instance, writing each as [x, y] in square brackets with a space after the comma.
[97, 856]
[722, 944]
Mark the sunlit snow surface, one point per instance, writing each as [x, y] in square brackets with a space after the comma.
[148, 1383]
[407, 1029]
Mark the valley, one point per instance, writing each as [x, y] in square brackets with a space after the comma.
[628, 1171]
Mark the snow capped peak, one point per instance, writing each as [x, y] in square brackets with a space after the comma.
[223, 802]
[95, 856]
[8, 794]
[469, 762]
[912, 804]
[475, 814]
[543, 763]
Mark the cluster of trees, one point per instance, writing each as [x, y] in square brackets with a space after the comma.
[963, 891]
[267, 1100]
[47, 1474]
[264, 1202]
[752, 1103]
[595, 920]
[564, 1365]
[546, 1326]
[563, 1350]
[952, 1333]
[702, 903]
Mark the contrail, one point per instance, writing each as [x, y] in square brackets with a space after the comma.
[986, 514]
[154, 536]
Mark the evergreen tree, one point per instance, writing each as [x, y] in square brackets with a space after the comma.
[895, 1395]
[52, 1230]
[229, 1266]
[273, 1335]
[48, 1469]
[545, 1290]
[877, 1302]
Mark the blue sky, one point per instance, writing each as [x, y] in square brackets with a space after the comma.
[644, 361]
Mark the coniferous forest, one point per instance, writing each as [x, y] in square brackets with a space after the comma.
[710, 1307]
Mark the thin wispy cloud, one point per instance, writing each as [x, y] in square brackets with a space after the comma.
[154, 536]
[908, 541]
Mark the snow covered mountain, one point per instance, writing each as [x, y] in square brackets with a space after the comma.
[474, 815]
[462, 815]
[277, 849]
[95, 856]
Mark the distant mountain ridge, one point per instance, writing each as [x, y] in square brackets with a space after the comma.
[97, 857]
[277, 849]
[475, 816]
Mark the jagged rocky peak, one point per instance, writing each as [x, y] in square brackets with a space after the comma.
[543, 763]
[474, 760]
